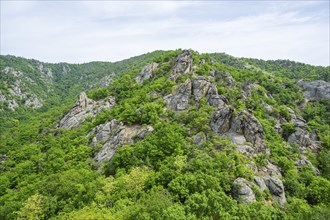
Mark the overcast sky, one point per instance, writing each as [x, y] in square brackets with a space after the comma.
[83, 31]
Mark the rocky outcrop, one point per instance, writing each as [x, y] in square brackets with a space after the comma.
[248, 125]
[179, 99]
[146, 72]
[276, 188]
[200, 87]
[304, 139]
[303, 161]
[269, 175]
[115, 134]
[16, 90]
[242, 191]
[317, 90]
[84, 108]
[105, 81]
[33, 102]
[260, 183]
[221, 120]
[183, 65]
[12, 104]
[2, 97]
[226, 78]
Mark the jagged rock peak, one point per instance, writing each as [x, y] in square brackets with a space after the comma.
[84, 108]
[183, 65]
[83, 101]
[147, 72]
[179, 99]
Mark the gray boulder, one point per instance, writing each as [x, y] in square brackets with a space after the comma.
[183, 65]
[242, 191]
[260, 183]
[276, 188]
[318, 89]
[146, 72]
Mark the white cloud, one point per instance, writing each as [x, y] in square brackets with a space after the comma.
[107, 30]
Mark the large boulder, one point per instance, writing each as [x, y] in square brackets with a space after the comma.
[318, 89]
[276, 189]
[146, 72]
[260, 183]
[82, 109]
[183, 65]
[179, 99]
[242, 191]
[115, 134]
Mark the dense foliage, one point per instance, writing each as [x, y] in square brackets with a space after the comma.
[49, 173]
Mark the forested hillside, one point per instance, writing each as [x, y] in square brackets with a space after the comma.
[165, 135]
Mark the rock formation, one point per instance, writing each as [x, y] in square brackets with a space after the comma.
[317, 89]
[242, 191]
[84, 108]
[115, 134]
[146, 72]
[183, 65]
[276, 188]
[179, 99]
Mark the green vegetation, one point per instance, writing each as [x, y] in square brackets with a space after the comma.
[49, 172]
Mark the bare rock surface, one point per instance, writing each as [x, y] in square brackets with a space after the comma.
[183, 65]
[242, 191]
[115, 134]
[84, 108]
[317, 89]
[179, 99]
[146, 72]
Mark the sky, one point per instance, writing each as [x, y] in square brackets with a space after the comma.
[84, 31]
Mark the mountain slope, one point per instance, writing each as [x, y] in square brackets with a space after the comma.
[175, 135]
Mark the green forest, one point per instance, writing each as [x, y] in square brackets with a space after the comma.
[186, 136]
